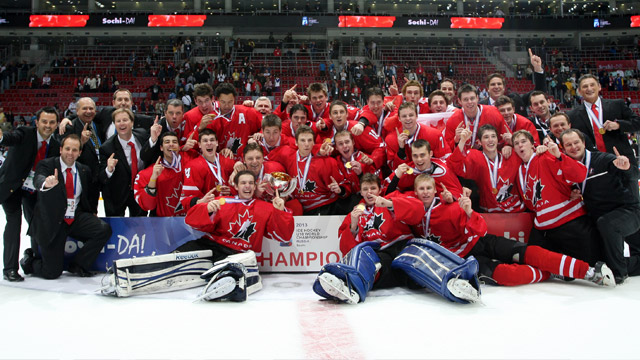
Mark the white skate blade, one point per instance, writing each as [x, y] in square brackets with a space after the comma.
[462, 289]
[218, 289]
[337, 288]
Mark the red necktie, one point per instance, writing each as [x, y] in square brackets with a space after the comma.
[596, 132]
[68, 184]
[134, 163]
[42, 153]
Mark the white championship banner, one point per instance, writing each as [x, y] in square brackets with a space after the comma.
[314, 244]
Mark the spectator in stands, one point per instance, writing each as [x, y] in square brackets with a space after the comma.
[155, 91]
[46, 80]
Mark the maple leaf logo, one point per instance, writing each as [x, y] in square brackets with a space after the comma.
[309, 186]
[175, 199]
[434, 238]
[537, 191]
[234, 143]
[243, 228]
[374, 223]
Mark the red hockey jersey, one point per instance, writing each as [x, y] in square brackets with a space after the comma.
[368, 142]
[241, 224]
[487, 114]
[545, 184]
[438, 145]
[439, 171]
[381, 225]
[497, 180]
[200, 176]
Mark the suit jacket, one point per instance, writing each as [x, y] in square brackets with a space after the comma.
[23, 148]
[117, 188]
[52, 204]
[522, 101]
[612, 110]
[103, 120]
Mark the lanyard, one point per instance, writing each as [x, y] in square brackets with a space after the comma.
[493, 169]
[318, 115]
[216, 172]
[595, 120]
[232, 112]
[427, 216]
[475, 123]
[176, 164]
[303, 180]
[269, 148]
[523, 182]
[587, 163]
[543, 126]
[415, 135]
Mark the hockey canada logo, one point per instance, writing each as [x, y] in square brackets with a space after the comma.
[434, 238]
[374, 223]
[537, 192]
[243, 228]
[234, 143]
[309, 186]
[505, 192]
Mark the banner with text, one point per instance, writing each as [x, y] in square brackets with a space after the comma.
[314, 242]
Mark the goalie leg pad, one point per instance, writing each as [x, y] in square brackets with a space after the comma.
[352, 278]
[248, 260]
[227, 284]
[438, 269]
[156, 274]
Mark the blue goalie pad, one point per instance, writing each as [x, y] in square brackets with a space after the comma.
[352, 278]
[438, 269]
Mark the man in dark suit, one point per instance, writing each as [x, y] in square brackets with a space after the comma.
[27, 147]
[120, 162]
[606, 123]
[122, 99]
[87, 125]
[63, 210]
[496, 86]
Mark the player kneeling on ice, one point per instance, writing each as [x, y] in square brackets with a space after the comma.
[502, 261]
[374, 237]
[224, 259]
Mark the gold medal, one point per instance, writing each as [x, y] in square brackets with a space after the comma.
[222, 201]
[406, 132]
[494, 191]
[360, 207]
[327, 140]
[301, 192]
[410, 171]
[218, 188]
[348, 165]
[602, 131]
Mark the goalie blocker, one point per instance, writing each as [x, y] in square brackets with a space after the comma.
[184, 270]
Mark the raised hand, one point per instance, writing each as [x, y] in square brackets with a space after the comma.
[51, 180]
[446, 195]
[85, 134]
[402, 138]
[621, 161]
[111, 163]
[465, 204]
[62, 127]
[157, 169]
[393, 89]
[156, 130]
[333, 186]
[290, 94]
[190, 144]
[205, 121]
[536, 62]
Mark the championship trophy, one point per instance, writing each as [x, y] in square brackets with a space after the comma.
[282, 182]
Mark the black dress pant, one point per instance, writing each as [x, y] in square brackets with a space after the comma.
[20, 201]
[88, 228]
[577, 238]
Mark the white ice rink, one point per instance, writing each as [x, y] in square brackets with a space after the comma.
[286, 320]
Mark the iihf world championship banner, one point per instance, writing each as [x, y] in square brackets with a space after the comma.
[314, 242]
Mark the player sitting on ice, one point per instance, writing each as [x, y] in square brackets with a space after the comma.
[374, 238]
[223, 259]
[502, 261]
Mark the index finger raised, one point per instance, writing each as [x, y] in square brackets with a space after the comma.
[530, 52]
[615, 151]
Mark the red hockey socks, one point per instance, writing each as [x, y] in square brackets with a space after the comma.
[517, 274]
[555, 263]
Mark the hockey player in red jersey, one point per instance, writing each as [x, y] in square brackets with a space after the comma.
[374, 113]
[298, 115]
[397, 150]
[158, 187]
[203, 114]
[514, 121]
[320, 183]
[502, 261]
[207, 176]
[368, 142]
[412, 92]
[545, 182]
[495, 174]
[373, 239]
[471, 116]
[271, 138]
[237, 224]
[422, 162]
[353, 163]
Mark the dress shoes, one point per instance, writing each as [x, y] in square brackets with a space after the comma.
[26, 263]
[12, 275]
[79, 270]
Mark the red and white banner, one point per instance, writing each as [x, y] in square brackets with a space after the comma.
[58, 20]
[366, 21]
[613, 65]
[176, 20]
[436, 121]
[477, 23]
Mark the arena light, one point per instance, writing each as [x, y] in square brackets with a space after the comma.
[366, 21]
[58, 20]
[476, 23]
[176, 20]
